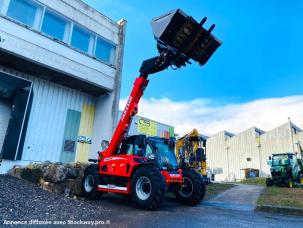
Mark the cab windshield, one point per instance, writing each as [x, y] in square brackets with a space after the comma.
[281, 159]
[166, 155]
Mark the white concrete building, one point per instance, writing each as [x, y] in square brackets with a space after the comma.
[229, 154]
[60, 75]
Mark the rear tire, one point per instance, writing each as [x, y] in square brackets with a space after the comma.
[90, 183]
[148, 188]
[269, 182]
[193, 188]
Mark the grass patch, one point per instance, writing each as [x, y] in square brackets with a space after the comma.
[283, 197]
[216, 188]
[254, 181]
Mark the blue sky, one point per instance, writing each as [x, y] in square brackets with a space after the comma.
[261, 55]
[260, 58]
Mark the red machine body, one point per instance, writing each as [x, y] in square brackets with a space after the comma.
[146, 167]
[122, 167]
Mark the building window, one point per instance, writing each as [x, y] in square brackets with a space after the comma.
[22, 11]
[80, 39]
[105, 51]
[54, 25]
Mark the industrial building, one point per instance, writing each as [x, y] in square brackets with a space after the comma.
[145, 126]
[60, 74]
[229, 155]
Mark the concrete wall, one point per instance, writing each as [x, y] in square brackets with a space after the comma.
[45, 51]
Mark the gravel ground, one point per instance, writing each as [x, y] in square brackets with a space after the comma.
[25, 201]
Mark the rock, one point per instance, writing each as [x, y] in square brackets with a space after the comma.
[31, 174]
[73, 173]
[60, 178]
[55, 174]
[15, 172]
[75, 186]
[78, 165]
[67, 192]
[46, 185]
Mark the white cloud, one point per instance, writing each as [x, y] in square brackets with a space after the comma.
[210, 118]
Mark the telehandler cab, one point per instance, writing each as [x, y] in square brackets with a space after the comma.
[146, 167]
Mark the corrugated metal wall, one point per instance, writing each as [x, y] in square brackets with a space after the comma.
[278, 140]
[299, 141]
[86, 130]
[44, 139]
[243, 153]
[217, 155]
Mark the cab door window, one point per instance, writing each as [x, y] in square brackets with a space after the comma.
[148, 150]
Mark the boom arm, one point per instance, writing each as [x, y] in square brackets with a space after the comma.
[179, 39]
[149, 66]
[130, 110]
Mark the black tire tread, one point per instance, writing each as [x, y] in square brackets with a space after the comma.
[199, 188]
[94, 194]
[159, 188]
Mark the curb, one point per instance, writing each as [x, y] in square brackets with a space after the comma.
[280, 210]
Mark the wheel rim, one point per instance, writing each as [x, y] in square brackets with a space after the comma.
[187, 187]
[89, 183]
[143, 188]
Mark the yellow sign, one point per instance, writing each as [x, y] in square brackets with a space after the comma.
[147, 127]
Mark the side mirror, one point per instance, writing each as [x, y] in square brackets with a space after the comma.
[269, 158]
[104, 144]
[151, 156]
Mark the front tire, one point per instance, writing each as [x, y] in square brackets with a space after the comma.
[148, 188]
[193, 188]
[90, 183]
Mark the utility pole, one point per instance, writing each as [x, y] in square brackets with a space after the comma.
[292, 136]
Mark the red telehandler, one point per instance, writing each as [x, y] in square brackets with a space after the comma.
[146, 167]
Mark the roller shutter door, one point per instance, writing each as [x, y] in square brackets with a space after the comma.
[5, 112]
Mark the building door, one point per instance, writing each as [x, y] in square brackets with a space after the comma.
[5, 112]
[17, 92]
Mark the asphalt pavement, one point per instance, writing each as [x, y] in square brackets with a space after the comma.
[24, 202]
[240, 197]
